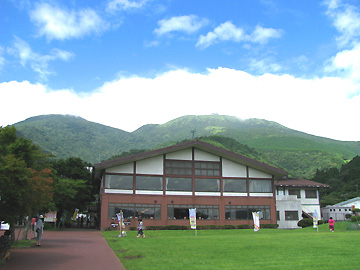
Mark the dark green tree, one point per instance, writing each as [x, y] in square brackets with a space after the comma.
[25, 183]
[73, 185]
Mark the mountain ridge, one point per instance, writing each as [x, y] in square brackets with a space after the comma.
[297, 152]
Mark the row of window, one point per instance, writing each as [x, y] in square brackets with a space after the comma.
[339, 210]
[309, 193]
[186, 167]
[155, 183]
[178, 211]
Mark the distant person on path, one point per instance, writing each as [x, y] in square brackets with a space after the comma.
[39, 228]
[140, 229]
[33, 220]
[331, 224]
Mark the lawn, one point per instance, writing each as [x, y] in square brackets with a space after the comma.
[238, 249]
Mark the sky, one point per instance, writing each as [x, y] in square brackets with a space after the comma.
[128, 63]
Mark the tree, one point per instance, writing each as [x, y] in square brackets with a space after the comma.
[25, 189]
[73, 186]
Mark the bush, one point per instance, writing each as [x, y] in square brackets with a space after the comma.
[175, 227]
[307, 222]
[269, 226]
[229, 227]
[245, 226]
[348, 216]
[355, 218]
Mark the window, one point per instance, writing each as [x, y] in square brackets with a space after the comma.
[295, 192]
[245, 212]
[178, 184]
[181, 211]
[207, 185]
[119, 181]
[149, 183]
[234, 185]
[277, 215]
[128, 210]
[291, 215]
[178, 167]
[144, 211]
[203, 168]
[260, 186]
[148, 211]
[310, 194]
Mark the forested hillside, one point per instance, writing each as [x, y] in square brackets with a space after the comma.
[299, 153]
[344, 182]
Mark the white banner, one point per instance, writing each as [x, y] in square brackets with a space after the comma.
[256, 221]
[192, 217]
[315, 220]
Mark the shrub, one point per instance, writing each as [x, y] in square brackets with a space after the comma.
[305, 222]
[175, 227]
[245, 226]
[355, 218]
[348, 216]
[355, 211]
[229, 227]
[269, 226]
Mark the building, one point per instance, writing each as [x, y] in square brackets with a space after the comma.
[338, 211]
[161, 186]
[296, 198]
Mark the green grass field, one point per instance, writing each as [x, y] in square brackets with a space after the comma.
[239, 249]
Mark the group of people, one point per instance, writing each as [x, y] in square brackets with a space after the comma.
[37, 224]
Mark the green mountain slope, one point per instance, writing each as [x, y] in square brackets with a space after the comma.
[65, 136]
[299, 153]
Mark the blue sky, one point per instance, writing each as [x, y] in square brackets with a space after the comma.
[127, 63]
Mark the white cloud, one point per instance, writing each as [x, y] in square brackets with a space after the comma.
[346, 19]
[2, 59]
[188, 24]
[229, 32]
[317, 106]
[57, 23]
[116, 5]
[264, 65]
[38, 63]
[262, 35]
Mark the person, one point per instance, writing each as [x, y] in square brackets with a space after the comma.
[331, 224]
[140, 229]
[33, 220]
[39, 228]
[5, 244]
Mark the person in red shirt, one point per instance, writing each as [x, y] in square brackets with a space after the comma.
[331, 224]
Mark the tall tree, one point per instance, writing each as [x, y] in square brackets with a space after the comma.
[25, 188]
[73, 186]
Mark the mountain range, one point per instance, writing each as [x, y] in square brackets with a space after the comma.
[299, 153]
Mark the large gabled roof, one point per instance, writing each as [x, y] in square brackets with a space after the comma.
[348, 201]
[299, 183]
[99, 167]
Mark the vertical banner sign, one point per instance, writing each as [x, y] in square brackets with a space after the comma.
[75, 213]
[256, 221]
[315, 220]
[192, 217]
[120, 217]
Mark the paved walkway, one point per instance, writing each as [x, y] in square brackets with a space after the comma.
[60, 250]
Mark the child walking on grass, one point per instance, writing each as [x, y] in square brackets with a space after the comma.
[331, 224]
[140, 228]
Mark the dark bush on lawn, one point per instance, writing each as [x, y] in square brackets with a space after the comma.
[269, 226]
[245, 226]
[307, 222]
[355, 218]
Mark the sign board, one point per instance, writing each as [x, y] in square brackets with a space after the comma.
[50, 217]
